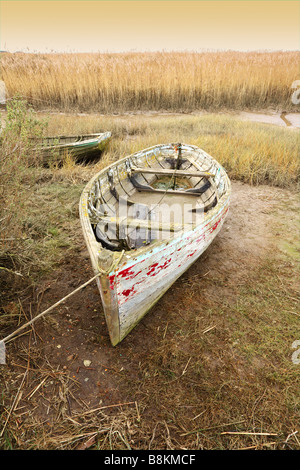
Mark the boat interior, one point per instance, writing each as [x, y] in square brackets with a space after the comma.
[67, 139]
[152, 195]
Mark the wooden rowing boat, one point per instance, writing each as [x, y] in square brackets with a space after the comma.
[146, 218]
[80, 146]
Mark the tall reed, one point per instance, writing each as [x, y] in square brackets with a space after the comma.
[173, 81]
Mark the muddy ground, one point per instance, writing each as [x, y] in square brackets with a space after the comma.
[72, 367]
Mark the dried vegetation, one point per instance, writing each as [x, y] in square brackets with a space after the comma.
[111, 83]
[211, 367]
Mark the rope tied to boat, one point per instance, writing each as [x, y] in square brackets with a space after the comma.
[101, 272]
[113, 265]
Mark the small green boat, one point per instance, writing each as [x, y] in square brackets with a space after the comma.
[80, 147]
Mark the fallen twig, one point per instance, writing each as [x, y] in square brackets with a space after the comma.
[11, 271]
[14, 403]
[36, 389]
[251, 433]
[209, 328]
[212, 427]
[104, 407]
[264, 444]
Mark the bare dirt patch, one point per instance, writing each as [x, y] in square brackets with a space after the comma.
[288, 120]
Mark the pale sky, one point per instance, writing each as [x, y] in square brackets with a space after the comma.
[148, 25]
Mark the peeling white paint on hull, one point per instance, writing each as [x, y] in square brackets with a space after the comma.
[141, 285]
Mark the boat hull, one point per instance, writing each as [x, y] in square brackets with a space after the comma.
[137, 286]
[83, 147]
[131, 283]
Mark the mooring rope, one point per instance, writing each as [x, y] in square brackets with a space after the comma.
[100, 273]
[4, 340]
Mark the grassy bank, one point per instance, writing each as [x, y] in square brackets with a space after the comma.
[39, 204]
[211, 367]
[112, 83]
[251, 152]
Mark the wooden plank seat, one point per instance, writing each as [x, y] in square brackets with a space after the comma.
[188, 192]
[171, 172]
[138, 228]
[127, 232]
[145, 224]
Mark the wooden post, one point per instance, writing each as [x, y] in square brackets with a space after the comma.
[178, 147]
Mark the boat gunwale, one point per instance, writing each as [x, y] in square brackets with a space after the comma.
[94, 139]
[144, 249]
[106, 279]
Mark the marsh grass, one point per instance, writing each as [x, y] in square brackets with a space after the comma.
[172, 81]
[216, 364]
[19, 165]
[252, 152]
[39, 205]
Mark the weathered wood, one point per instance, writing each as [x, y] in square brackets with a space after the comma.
[167, 172]
[146, 272]
[77, 146]
[147, 224]
[186, 192]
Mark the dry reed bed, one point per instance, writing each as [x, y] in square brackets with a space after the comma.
[150, 81]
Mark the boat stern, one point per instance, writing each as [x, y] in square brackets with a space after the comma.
[103, 140]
